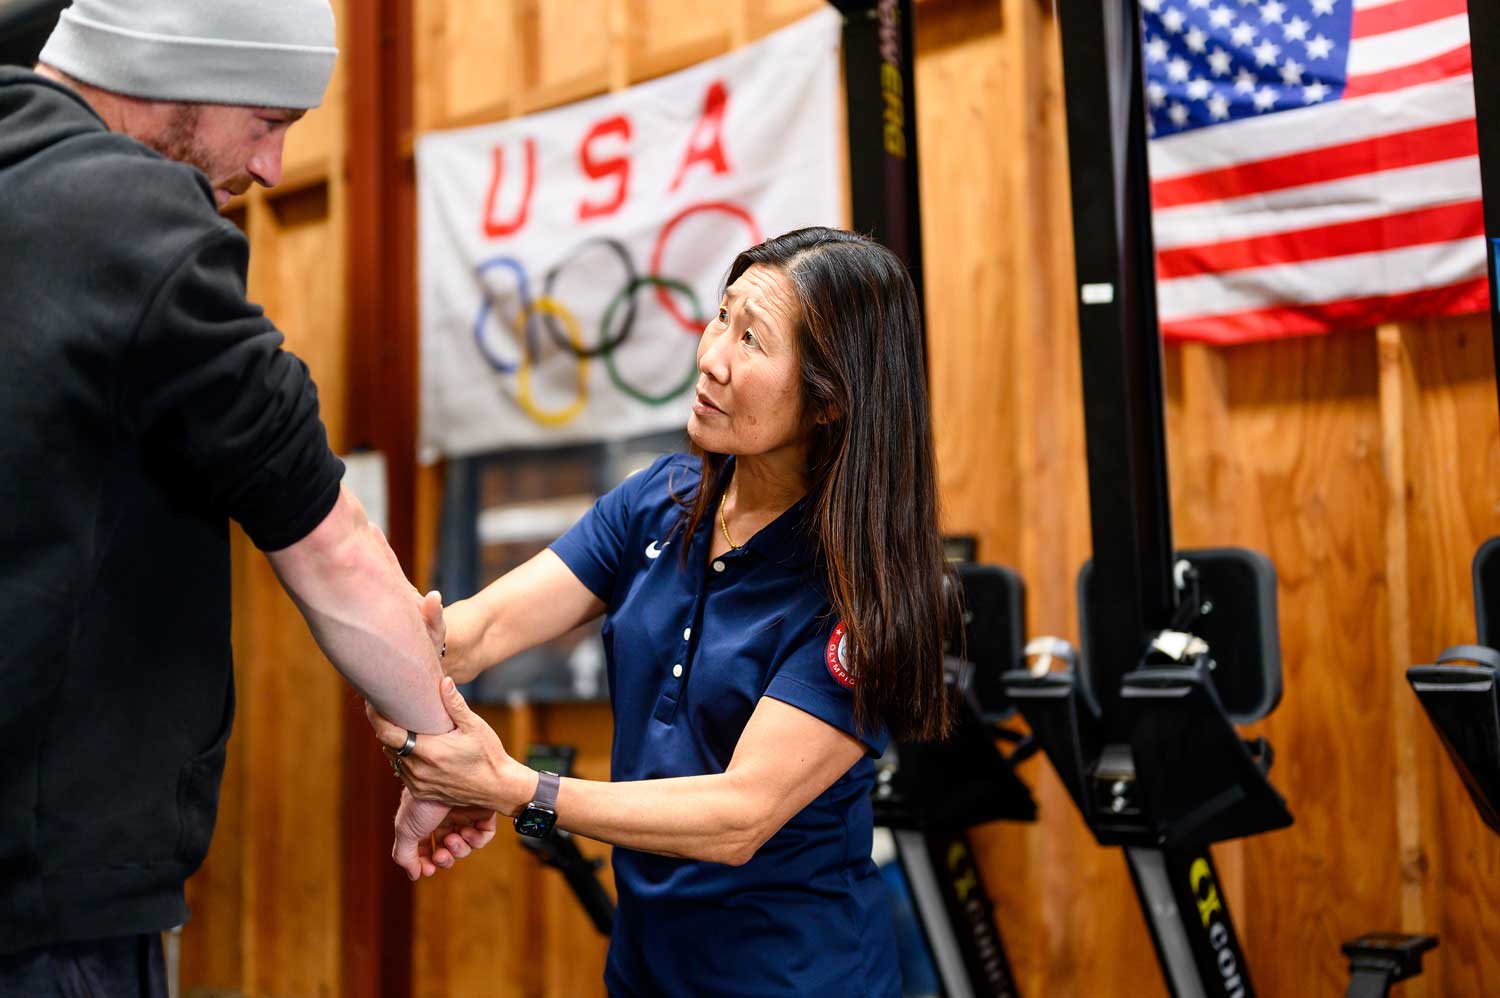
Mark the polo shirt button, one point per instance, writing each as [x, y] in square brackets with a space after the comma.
[718, 566]
[677, 671]
[687, 632]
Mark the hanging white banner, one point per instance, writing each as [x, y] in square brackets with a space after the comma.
[570, 259]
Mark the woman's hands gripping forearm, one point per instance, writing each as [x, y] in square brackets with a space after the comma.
[785, 758]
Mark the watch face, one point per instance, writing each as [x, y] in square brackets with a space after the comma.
[535, 821]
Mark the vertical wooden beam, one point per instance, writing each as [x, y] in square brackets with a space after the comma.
[1415, 811]
[382, 415]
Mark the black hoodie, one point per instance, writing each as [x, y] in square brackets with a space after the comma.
[143, 402]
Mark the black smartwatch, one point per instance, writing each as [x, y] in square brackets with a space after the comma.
[537, 818]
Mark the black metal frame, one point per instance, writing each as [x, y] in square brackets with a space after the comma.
[1141, 736]
[1484, 46]
[882, 116]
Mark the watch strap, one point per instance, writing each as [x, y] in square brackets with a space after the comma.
[546, 790]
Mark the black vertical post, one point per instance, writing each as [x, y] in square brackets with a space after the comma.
[882, 110]
[1484, 48]
[1119, 339]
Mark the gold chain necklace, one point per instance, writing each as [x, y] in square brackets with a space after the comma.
[724, 524]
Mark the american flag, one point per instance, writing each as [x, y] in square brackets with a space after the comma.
[1314, 165]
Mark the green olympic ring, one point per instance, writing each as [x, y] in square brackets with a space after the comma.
[609, 358]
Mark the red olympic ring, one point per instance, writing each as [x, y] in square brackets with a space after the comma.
[694, 326]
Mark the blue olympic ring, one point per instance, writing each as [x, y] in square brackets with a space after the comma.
[515, 267]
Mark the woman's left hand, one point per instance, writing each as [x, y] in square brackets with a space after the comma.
[468, 765]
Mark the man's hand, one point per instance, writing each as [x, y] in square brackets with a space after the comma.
[431, 836]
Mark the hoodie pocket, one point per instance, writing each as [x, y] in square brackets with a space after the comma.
[198, 792]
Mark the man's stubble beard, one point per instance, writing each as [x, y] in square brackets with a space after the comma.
[177, 141]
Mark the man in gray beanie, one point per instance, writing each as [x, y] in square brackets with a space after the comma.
[145, 403]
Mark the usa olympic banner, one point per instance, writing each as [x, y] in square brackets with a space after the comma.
[570, 259]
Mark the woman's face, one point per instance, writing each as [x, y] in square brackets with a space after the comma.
[749, 399]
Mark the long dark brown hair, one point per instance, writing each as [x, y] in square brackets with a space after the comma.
[872, 489]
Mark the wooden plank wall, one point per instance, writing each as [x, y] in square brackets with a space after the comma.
[1364, 464]
[267, 905]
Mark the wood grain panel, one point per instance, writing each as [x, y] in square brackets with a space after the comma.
[565, 51]
[429, 64]
[268, 898]
[478, 61]
[1453, 456]
[314, 145]
[666, 35]
[303, 273]
[767, 15]
[500, 924]
[1291, 466]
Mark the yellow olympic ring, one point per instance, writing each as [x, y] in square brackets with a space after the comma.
[556, 309]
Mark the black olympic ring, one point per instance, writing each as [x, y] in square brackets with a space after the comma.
[607, 343]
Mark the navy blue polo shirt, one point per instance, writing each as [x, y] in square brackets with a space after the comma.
[691, 649]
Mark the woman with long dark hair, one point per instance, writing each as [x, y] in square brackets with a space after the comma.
[775, 610]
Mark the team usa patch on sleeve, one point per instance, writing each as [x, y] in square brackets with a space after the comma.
[837, 657]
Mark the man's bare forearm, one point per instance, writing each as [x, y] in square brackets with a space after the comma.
[365, 615]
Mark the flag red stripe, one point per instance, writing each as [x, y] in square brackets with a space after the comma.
[1440, 224]
[1403, 14]
[1351, 313]
[1455, 62]
[1433, 144]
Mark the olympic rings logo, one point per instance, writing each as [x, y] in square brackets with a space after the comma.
[618, 320]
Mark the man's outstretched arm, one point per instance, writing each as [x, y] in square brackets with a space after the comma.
[367, 619]
[365, 615]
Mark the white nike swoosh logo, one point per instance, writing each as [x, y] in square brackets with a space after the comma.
[652, 551]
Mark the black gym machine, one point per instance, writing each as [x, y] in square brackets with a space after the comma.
[1178, 647]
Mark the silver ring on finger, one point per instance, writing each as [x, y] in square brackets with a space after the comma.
[411, 743]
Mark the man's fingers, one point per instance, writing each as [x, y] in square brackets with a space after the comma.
[454, 841]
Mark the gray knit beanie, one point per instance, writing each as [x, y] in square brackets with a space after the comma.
[261, 53]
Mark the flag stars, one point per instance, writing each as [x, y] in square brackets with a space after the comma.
[1173, 19]
[1220, 18]
[1199, 4]
[1196, 40]
[1291, 72]
[1266, 53]
[1272, 12]
[1243, 34]
[1265, 98]
[1320, 47]
[1151, 6]
[1156, 94]
[1178, 69]
[1314, 92]
[1199, 89]
[1244, 82]
[1178, 112]
[1219, 62]
[1156, 50]
[1295, 30]
[1323, 8]
[1218, 107]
